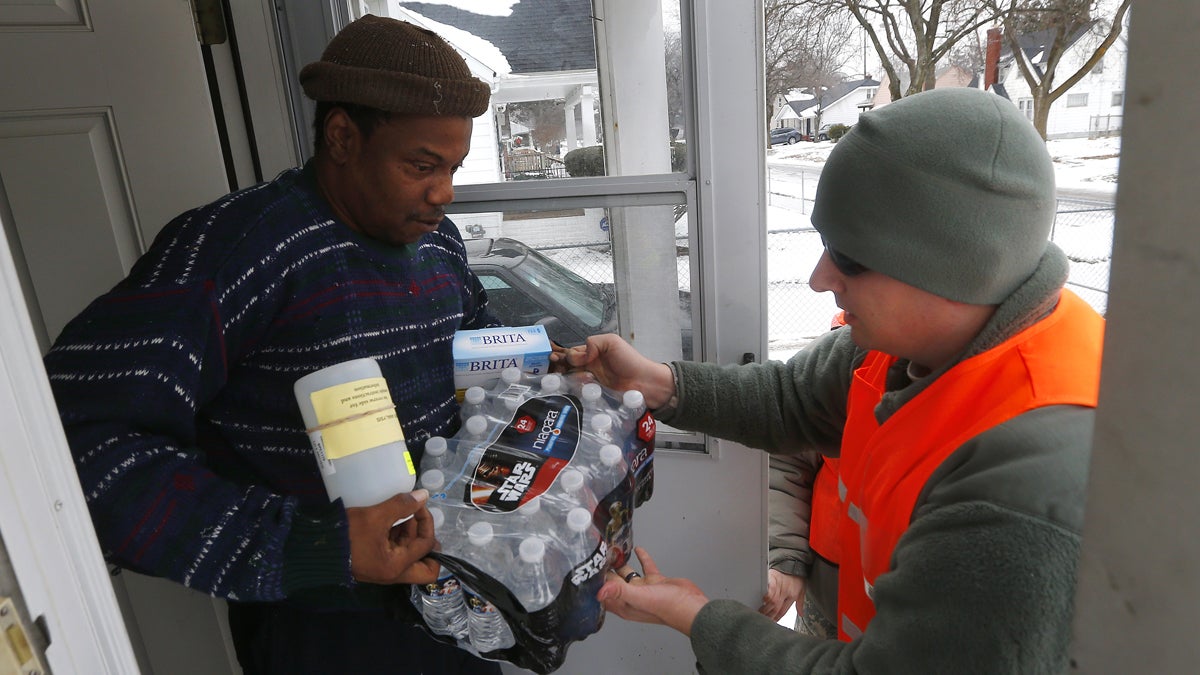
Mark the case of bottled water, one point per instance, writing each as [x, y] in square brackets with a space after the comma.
[536, 492]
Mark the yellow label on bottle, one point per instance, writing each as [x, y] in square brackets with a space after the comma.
[359, 416]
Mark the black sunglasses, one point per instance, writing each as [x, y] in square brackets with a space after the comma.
[845, 265]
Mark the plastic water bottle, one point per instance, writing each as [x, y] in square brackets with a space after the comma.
[442, 604]
[582, 536]
[591, 396]
[571, 491]
[473, 402]
[633, 406]
[476, 427]
[534, 579]
[552, 384]
[601, 426]
[486, 626]
[611, 470]
[434, 481]
[531, 519]
[437, 454]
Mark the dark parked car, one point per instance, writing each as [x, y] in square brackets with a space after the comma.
[787, 135]
[526, 288]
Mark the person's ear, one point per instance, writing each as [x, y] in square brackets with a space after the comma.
[342, 136]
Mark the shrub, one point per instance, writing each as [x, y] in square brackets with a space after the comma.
[585, 161]
[837, 131]
[590, 161]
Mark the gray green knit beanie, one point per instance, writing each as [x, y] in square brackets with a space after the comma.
[395, 66]
[949, 190]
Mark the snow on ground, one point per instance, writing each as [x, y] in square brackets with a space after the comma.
[796, 315]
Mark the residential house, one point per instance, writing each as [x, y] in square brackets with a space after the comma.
[538, 51]
[1091, 108]
[839, 104]
[949, 76]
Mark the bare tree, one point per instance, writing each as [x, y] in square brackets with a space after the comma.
[1065, 23]
[915, 35]
[805, 45]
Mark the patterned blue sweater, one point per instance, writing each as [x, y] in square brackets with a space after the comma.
[175, 388]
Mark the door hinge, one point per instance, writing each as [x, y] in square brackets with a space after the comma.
[210, 21]
[17, 653]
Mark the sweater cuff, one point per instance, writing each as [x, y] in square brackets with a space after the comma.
[666, 411]
[317, 550]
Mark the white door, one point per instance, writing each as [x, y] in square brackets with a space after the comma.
[107, 131]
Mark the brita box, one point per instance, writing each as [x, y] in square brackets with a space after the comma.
[480, 355]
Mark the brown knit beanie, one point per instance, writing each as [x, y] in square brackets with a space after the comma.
[395, 66]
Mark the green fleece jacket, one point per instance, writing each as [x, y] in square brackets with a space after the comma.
[982, 581]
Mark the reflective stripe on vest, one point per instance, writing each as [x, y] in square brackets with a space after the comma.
[1054, 362]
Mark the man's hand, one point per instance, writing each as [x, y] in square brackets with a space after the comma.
[383, 552]
[617, 365]
[652, 598]
[783, 590]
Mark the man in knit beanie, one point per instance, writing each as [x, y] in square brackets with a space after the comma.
[176, 387]
[953, 411]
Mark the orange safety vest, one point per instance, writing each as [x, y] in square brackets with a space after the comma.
[884, 468]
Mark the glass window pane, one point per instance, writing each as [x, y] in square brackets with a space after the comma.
[548, 113]
[568, 266]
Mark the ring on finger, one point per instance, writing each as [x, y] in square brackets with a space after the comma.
[633, 574]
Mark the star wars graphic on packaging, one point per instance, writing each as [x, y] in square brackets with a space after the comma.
[530, 452]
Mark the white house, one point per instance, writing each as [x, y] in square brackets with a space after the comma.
[1090, 108]
[839, 104]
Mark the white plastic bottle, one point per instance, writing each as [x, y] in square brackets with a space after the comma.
[473, 402]
[591, 396]
[434, 481]
[582, 536]
[437, 454]
[442, 604]
[551, 384]
[570, 491]
[476, 427]
[534, 579]
[488, 629]
[355, 434]
[611, 470]
[633, 406]
[531, 519]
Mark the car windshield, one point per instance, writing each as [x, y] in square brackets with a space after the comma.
[578, 296]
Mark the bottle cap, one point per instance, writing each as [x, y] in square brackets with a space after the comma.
[439, 517]
[511, 375]
[572, 479]
[532, 549]
[480, 533]
[601, 423]
[551, 383]
[512, 402]
[591, 392]
[435, 446]
[433, 480]
[633, 400]
[476, 425]
[531, 507]
[474, 395]
[610, 455]
[578, 519]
